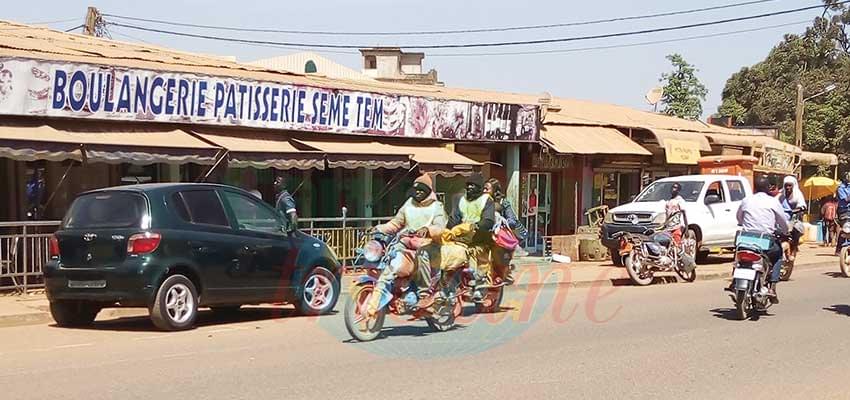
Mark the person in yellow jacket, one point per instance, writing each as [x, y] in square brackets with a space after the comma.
[423, 215]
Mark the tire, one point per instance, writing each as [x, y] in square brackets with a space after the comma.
[691, 250]
[742, 305]
[492, 301]
[786, 270]
[616, 258]
[69, 313]
[443, 318]
[175, 307]
[317, 293]
[844, 262]
[686, 276]
[702, 256]
[634, 273]
[352, 311]
[225, 311]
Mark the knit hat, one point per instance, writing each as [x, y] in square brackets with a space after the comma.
[476, 178]
[426, 180]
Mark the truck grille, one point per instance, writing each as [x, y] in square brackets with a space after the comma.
[628, 218]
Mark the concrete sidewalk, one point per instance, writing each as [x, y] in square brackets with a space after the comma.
[531, 272]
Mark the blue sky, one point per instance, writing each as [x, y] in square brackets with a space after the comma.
[620, 75]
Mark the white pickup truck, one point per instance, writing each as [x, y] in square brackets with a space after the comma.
[711, 206]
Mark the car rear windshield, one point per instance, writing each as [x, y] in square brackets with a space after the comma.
[106, 210]
[660, 191]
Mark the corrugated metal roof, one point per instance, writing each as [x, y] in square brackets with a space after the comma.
[297, 63]
[567, 139]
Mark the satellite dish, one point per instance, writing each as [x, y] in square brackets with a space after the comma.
[654, 95]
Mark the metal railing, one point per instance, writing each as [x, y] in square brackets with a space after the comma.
[24, 249]
[25, 245]
[343, 235]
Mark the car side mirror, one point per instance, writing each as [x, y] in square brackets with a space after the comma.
[712, 199]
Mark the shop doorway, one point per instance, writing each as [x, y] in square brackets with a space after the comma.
[537, 209]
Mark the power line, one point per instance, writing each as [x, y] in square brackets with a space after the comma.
[444, 32]
[618, 46]
[491, 44]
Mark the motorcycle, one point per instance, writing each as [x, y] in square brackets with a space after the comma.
[399, 297]
[650, 252]
[788, 249]
[844, 241]
[749, 279]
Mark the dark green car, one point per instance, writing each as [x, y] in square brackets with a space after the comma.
[175, 247]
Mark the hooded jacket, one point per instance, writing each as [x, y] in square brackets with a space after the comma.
[414, 215]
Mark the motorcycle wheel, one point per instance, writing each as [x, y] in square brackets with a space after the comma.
[742, 305]
[786, 270]
[634, 265]
[844, 261]
[686, 276]
[492, 301]
[443, 317]
[367, 329]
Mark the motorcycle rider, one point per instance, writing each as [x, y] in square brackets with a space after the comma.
[285, 204]
[793, 202]
[762, 213]
[424, 215]
[843, 196]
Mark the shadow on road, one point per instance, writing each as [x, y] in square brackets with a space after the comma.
[731, 314]
[838, 275]
[840, 309]
[205, 318]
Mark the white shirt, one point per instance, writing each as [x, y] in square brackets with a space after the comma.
[763, 214]
[673, 205]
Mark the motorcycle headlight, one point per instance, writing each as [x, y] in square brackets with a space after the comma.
[846, 228]
[373, 251]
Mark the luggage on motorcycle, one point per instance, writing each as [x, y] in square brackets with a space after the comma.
[505, 238]
[755, 240]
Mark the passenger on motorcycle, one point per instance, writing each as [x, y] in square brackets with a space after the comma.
[843, 196]
[501, 258]
[793, 202]
[763, 214]
[423, 215]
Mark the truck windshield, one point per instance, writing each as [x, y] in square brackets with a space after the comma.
[660, 191]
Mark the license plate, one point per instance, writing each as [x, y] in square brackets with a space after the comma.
[87, 284]
[745, 273]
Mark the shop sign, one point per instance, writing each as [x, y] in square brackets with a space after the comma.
[681, 152]
[73, 90]
[550, 161]
[777, 159]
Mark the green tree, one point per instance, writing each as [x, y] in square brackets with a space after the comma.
[765, 93]
[683, 91]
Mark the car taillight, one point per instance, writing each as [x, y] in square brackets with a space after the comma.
[143, 243]
[54, 246]
[748, 256]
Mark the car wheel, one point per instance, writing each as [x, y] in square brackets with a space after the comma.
[702, 256]
[318, 292]
[616, 258]
[175, 307]
[69, 313]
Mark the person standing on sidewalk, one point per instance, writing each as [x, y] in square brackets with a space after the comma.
[285, 204]
[828, 212]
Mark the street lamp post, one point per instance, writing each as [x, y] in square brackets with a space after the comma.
[798, 120]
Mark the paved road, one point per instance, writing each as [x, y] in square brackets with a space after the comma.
[667, 341]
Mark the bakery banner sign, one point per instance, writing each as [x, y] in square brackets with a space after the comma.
[72, 90]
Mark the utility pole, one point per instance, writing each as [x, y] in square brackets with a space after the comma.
[93, 19]
[798, 119]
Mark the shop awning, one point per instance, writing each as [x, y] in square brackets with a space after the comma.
[358, 154]
[731, 140]
[824, 159]
[699, 139]
[28, 140]
[263, 150]
[589, 140]
[440, 160]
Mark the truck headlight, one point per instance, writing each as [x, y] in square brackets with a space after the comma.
[609, 218]
[660, 219]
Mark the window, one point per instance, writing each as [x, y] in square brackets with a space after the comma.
[736, 190]
[310, 67]
[371, 62]
[252, 215]
[716, 189]
[660, 191]
[106, 210]
[200, 207]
